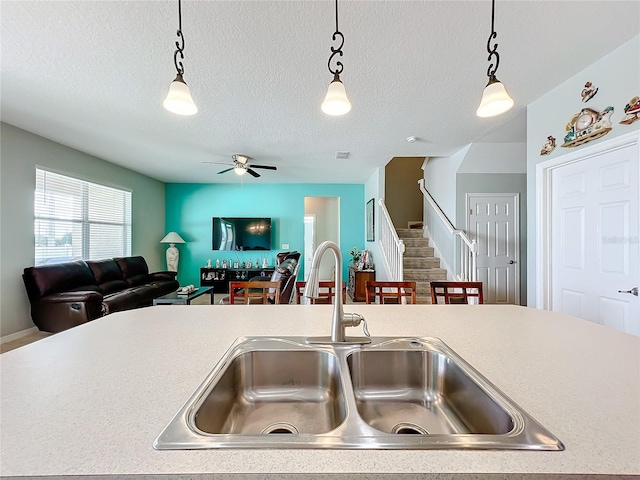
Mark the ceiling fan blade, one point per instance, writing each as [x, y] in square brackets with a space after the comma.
[252, 172]
[268, 167]
[225, 171]
[217, 163]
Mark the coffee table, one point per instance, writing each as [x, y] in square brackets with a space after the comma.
[183, 299]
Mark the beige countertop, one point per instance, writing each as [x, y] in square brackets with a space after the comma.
[90, 401]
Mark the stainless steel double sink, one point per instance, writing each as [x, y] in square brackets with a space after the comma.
[395, 393]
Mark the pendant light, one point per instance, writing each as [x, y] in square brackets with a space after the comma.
[179, 99]
[495, 99]
[336, 101]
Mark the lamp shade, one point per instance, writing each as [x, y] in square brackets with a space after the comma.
[240, 170]
[495, 99]
[179, 99]
[172, 237]
[336, 101]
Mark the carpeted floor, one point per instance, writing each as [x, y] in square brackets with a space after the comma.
[27, 339]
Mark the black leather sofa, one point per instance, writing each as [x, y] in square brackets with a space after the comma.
[65, 295]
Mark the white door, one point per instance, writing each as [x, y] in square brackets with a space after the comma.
[309, 242]
[493, 220]
[594, 238]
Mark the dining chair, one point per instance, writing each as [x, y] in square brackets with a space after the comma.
[459, 293]
[390, 292]
[243, 293]
[326, 292]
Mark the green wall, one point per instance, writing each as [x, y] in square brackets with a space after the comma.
[190, 207]
[21, 152]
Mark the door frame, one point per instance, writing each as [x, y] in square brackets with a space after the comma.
[516, 220]
[544, 233]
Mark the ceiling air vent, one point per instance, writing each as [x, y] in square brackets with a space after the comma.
[342, 155]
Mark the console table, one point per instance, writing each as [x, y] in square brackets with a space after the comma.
[219, 278]
[356, 283]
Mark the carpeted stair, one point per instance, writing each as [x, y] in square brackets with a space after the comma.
[419, 263]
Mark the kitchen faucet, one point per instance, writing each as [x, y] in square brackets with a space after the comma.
[339, 320]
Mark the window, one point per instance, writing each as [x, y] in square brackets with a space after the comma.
[75, 220]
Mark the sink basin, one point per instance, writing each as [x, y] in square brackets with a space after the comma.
[395, 393]
[422, 392]
[271, 391]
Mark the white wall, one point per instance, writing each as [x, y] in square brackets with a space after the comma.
[440, 180]
[495, 158]
[374, 188]
[327, 212]
[617, 76]
[21, 152]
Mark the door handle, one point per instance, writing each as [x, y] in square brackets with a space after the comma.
[633, 291]
[511, 262]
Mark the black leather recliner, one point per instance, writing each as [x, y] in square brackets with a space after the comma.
[65, 295]
[286, 273]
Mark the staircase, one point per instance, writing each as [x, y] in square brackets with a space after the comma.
[419, 264]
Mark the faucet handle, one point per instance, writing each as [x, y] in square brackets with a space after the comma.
[364, 327]
[355, 319]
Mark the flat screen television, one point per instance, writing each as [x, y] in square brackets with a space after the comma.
[239, 234]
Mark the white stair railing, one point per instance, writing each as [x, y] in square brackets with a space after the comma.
[392, 247]
[466, 249]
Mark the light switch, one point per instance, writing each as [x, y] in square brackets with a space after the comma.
[285, 246]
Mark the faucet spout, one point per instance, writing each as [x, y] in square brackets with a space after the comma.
[338, 320]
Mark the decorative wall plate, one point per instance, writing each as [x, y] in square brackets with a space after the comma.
[588, 92]
[549, 146]
[587, 125]
[632, 111]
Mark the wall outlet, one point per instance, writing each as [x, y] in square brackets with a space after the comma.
[285, 246]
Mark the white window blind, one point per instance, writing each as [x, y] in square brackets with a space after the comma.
[75, 219]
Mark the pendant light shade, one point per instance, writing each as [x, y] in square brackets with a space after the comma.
[495, 100]
[240, 170]
[336, 101]
[179, 99]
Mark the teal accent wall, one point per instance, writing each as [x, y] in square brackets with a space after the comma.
[190, 207]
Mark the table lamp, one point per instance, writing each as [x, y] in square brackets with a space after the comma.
[173, 254]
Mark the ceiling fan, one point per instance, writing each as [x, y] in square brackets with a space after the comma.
[241, 166]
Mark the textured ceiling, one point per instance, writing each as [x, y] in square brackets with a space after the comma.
[92, 75]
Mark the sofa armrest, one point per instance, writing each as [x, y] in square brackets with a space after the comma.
[167, 275]
[60, 311]
[70, 297]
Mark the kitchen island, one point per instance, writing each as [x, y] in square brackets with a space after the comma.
[90, 401]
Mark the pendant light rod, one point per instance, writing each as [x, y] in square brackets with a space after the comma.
[179, 99]
[179, 43]
[495, 99]
[336, 50]
[336, 102]
[493, 52]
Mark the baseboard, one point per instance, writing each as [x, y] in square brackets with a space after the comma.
[17, 335]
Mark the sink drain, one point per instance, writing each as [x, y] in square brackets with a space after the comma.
[279, 428]
[406, 428]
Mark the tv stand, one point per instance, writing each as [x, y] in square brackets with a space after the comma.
[219, 278]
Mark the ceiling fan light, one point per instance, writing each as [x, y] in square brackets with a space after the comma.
[179, 99]
[241, 159]
[495, 100]
[336, 101]
[240, 170]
